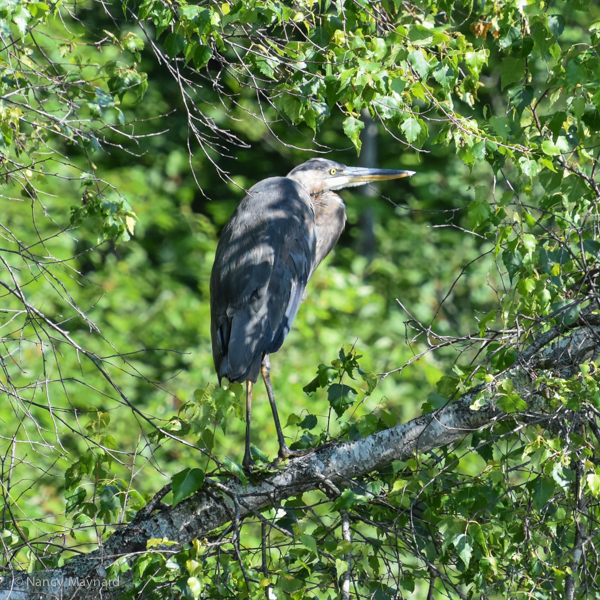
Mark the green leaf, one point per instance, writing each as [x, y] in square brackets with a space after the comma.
[556, 124]
[185, 483]
[510, 37]
[379, 48]
[341, 566]
[419, 63]
[21, 18]
[195, 586]
[411, 129]
[464, 546]
[445, 75]
[207, 439]
[189, 12]
[352, 128]
[526, 286]
[543, 38]
[310, 543]
[258, 454]
[521, 97]
[309, 422]
[476, 59]
[341, 397]
[528, 166]
[447, 386]
[349, 499]
[593, 482]
[576, 188]
[134, 44]
[202, 54]
[291, 106]
[293, 419]
[174, 44]
[420, 35]
[512, 70]
[367, 425]
[389, 419]
[289, 584]
[109, 501]
[511, 403]
[549, 148]
[556, 24]
[591, 117]
[435, 401]
[479, 213]
[74, 500]
[512, 261]
[266, 66]
[235, 469]
[569, 315]
[592, 247]
[370, 379]
[529, 242]
[332, 87]
[542, 489]
[501, 126]
[485, 321]
[325, 375]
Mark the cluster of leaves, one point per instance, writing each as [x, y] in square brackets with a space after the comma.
[309, 58]
[57, 93]
[92, 491]
[341, 397]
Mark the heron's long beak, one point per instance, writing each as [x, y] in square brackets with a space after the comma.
[353, 176]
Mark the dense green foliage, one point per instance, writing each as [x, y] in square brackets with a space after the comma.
[129, 131]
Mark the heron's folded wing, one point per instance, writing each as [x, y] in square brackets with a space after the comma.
[263, 263]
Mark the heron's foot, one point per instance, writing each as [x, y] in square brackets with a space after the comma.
[285, 452]
[248, 464]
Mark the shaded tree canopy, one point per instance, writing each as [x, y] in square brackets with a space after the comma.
[454, 411]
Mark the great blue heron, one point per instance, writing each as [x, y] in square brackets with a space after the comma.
[272, 244]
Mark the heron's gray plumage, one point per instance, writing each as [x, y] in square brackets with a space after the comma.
[264, 260]
[268, 251]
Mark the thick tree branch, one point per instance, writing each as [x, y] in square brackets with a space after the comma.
[332, 466]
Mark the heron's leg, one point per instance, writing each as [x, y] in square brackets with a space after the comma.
[248, 462]
[284, 451]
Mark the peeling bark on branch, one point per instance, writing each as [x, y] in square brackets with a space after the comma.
[332, 466]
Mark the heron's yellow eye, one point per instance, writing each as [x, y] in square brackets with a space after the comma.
[333, 171]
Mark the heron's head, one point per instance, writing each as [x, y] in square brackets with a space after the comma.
[320, 175]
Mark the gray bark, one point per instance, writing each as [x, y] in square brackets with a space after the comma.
[328, 468]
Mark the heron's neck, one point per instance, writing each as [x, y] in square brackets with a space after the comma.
[330, 219]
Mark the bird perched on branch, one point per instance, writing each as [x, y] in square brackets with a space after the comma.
[268, 251]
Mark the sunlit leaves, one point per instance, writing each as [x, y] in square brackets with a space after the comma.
[411, 129]
[445, 75]
[419, 63]
[549, 148]
[352, 128]
[112, 216]
[476, 59]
